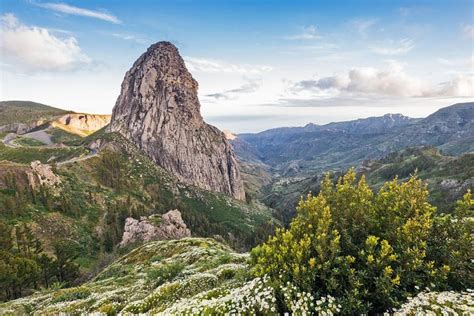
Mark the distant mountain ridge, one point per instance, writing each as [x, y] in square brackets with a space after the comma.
[364, 125]
[373, 125]
[342, 144]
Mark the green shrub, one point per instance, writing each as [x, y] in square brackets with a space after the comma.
[368, 250]
[28, 141]
[450, 243]
[110, 308]
[164, 273]
[71, 294]
[114, 271]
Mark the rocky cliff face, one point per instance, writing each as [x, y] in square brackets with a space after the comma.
[81, 123]
[42, 174]
[158, 109]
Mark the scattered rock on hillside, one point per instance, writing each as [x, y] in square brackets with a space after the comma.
[42, 174]
[167, 226]
[456, 188]
[159, 111]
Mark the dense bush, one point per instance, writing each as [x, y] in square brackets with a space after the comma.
[369, 250]
[25, 266]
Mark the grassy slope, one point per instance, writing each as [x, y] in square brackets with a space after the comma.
[148, 279]
[28, 142]
[255, 177]
[28, 154]
[59, 135]
[26, 111]
[432, 166]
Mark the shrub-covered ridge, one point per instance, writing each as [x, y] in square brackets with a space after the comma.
[151, 278]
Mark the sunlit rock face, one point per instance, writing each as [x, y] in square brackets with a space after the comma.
[158, 109]
[81, 123]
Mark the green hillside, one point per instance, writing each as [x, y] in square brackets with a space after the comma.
[98, 191]
[447, 177]
[26, 111]
[305, 151]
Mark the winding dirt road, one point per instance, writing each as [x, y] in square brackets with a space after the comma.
[43, 137]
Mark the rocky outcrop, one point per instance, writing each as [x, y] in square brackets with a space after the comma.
[42, 174]
[167, 226]
[81, 123]
[158, 110]
[21, 128]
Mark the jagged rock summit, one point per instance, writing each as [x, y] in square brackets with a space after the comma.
[158, 109]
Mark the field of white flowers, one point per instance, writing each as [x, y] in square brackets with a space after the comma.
[197, 276]
[439, 303]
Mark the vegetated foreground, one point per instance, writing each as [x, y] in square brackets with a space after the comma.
[349, 250]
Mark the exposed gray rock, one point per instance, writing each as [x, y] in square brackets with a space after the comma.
[455, 188]
[167, 226]
[21, 128]
[158, 110]
[42, 174]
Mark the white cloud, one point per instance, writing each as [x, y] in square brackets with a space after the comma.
[393, 81]
[69, 9]
[458, 62]
[391, 47]
[462, 85]
[363, 25]
[308, 33]
[35, 48]
[131, 37]
[249, 87]
[216, 66]
[468, 31]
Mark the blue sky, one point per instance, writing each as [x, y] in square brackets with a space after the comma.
[259, 64]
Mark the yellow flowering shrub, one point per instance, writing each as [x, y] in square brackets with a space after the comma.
[368, 250]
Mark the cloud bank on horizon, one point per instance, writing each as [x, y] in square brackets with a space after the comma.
[303, 62]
